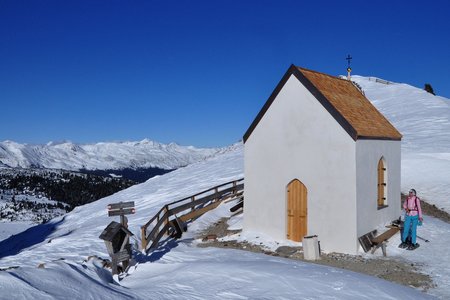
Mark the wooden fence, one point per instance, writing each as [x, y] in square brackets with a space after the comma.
[380, 80]
[187, 209]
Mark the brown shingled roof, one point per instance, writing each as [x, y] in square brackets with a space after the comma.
[351, 109]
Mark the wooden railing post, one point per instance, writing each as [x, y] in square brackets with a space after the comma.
[204, 201]
[216, 193]
[166, 220]
[144, 242]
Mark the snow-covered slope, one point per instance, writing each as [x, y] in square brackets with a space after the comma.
[424, 121]
[102, 156]
[422, 118]
[149, 197]
[178, 270]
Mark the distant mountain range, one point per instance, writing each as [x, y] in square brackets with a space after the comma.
[143, 154]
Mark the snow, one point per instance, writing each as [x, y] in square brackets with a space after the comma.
[25, 210]
[179, 269]
[432, 256]
[176, 269]
[210, 273]
[8, 229]
[88, 221]
[102, 156]
[424, 121]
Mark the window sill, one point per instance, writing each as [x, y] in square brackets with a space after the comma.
[382, 206]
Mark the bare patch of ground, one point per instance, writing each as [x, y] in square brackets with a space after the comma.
[388, 268]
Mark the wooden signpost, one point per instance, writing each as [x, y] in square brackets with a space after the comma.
[121, 209]
[117, 236]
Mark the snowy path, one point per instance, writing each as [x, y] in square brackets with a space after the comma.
[432, 257]
[212, 273]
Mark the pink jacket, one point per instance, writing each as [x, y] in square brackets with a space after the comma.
[412, 206]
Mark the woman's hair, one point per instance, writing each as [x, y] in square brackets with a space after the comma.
[413, 191]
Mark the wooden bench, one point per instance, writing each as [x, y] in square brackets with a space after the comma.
[372, 241]
[380, 240]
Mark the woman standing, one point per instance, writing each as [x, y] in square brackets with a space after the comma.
[413, 214]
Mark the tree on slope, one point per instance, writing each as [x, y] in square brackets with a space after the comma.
[429, 88]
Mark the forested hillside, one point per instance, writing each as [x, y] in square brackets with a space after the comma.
[39, 194]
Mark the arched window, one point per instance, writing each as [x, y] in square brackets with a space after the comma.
[382, 184]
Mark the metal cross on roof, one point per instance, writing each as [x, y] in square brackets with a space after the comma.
[349, 58]
[349, 69]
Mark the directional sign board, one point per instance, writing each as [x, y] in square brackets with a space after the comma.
[121, 208]
[118, 212]
[120, 205]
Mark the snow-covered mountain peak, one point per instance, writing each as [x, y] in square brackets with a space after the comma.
[104, 155]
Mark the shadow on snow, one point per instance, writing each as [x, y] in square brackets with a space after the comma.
[28, 238]
[163, 248]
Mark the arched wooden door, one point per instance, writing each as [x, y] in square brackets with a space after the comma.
[297, 211]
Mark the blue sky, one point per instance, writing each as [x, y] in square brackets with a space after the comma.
[194, 72]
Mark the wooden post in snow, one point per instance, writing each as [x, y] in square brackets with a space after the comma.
[117, 236]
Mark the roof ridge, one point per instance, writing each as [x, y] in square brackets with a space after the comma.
[343, 101]
[321, 73]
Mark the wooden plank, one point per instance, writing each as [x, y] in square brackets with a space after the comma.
[179, 209]
[207, 198]
[366, 240]
[158, 237]
[202, 200]
[196, 213]
[121, 255]
[111, 230]
[156, 233]
[122, 211]
[144, 242]
[234, 196]
[238, 186]
[385, 236]
[297, 210]
[120, 205]
[155, 229]
[114, 268]
[186, 206]
[381, 183]
[154, 217]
